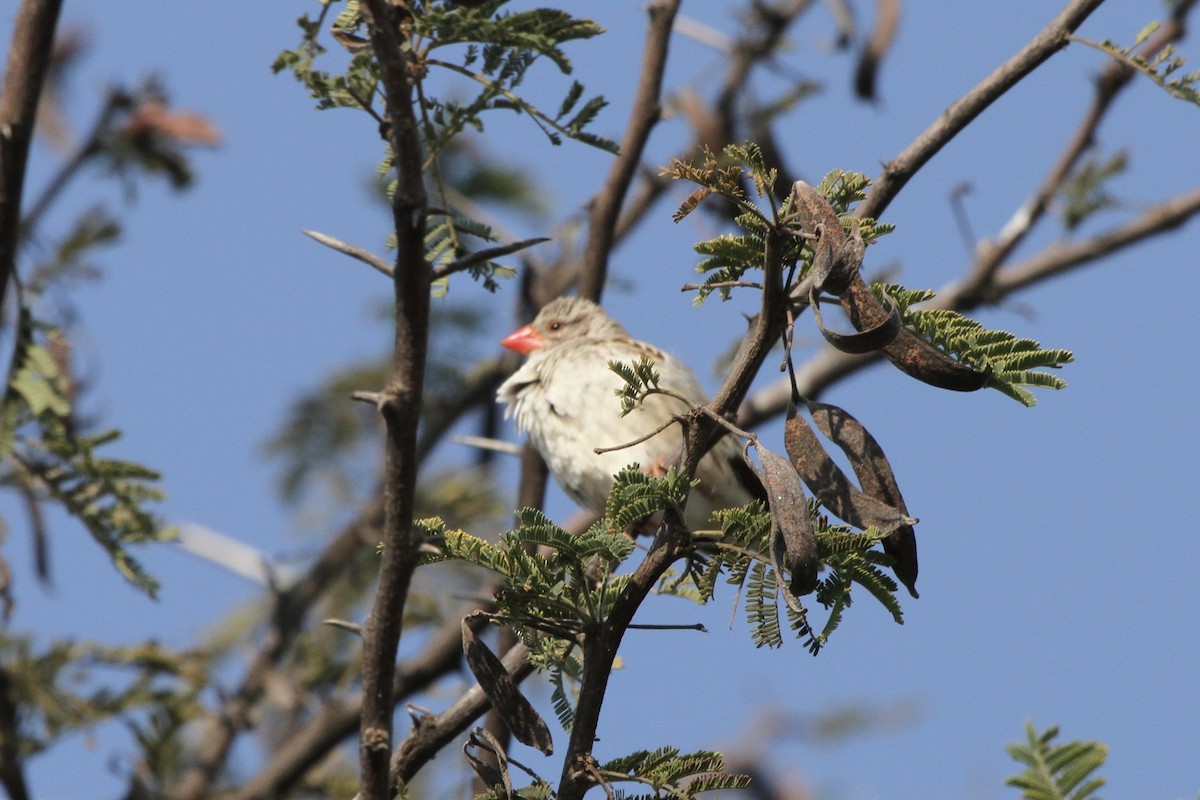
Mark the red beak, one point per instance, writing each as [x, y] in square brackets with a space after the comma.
[523, 340]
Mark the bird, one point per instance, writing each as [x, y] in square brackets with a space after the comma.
[564, 397]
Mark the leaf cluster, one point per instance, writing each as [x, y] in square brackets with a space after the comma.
[667, 773]
[741, 558]
[1086, 192]
[556, 583]
[740, 175]
[49, 456]
[1159, 68]
[1056, 771]
[70, 686]
[641, 378]
[1008, 362]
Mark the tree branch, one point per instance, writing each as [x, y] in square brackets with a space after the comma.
[606, 207]
[24, 74]
[954, 119]
[1116, 76]
[402, 409]
[12, 776]
[339, 718]
[291, 608]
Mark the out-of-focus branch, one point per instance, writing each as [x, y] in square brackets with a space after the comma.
[24, 73]
[12, 776]
[91, 145]
[291, 609]
[991, 254]
[1059, 258]
[896, 173]
[339, 718]
[606, 207]
[401, 402]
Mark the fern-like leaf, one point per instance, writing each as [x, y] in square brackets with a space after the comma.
[1056, 772]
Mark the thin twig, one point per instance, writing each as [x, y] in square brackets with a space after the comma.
[691, 287]
[634, 442]
[354, 251]
[480, 256]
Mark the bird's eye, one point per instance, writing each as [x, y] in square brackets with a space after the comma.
[556, 325]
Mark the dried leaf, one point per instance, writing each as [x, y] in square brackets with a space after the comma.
[911, 354]
[186, 127]
[518, 714]
[876, 478]
[693, 200]
[791, 528]
[832, 487]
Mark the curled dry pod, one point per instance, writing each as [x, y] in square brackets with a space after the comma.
[911, 354]
[491, 775]
[518, 714]
[865, 341]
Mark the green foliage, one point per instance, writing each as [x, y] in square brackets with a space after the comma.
[1056, 771]
[743, 556]
[668, 774]
[495, 51]
[559, 699]
[561, 594]
[49, 456]
[641, 378]
[766, 224]
[1010, 363]
[71, 686]
[1159, 68]
[1086, 192]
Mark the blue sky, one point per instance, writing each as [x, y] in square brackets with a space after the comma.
[1057, 563]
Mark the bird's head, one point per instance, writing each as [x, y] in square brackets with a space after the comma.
[563, 320]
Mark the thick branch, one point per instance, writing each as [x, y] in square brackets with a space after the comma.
[954, 119]
[401, 407]
[606, 207]
[24, 73]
